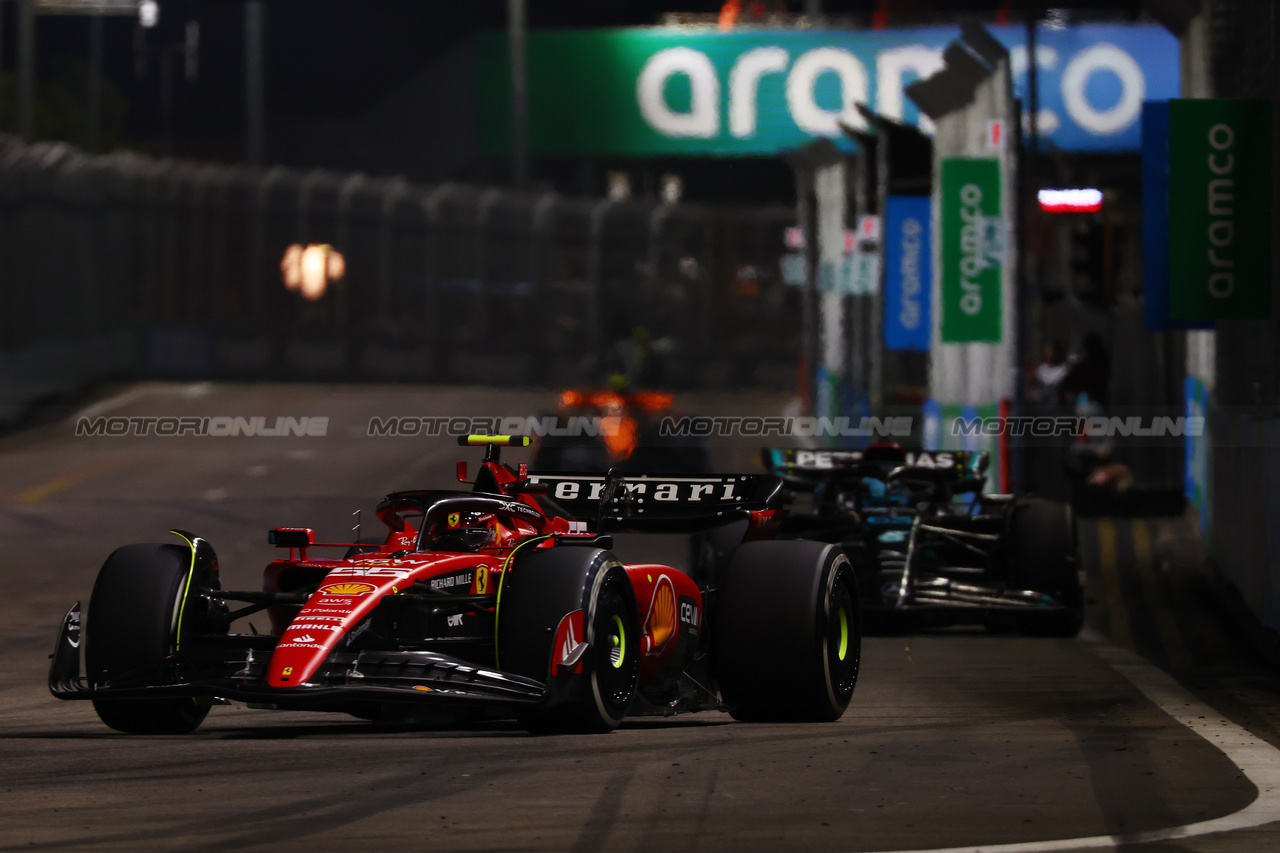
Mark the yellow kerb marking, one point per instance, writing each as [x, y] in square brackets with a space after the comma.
[66, 481]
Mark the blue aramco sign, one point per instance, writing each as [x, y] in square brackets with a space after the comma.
[908, 273]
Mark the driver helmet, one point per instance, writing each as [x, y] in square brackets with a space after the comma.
[463, 531]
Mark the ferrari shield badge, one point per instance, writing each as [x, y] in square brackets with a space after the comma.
[454, 517]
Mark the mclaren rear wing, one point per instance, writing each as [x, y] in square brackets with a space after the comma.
[660, 503]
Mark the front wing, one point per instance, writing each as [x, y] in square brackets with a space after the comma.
[233, 672]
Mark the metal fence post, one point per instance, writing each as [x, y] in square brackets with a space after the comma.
[199, 248]
[258, 243]
[343, 231]
[595, 235]
[539, 245]
[308, 181]
[219, 309]
[483, 209]
[177, 178]
[431, 208]
[397, 189]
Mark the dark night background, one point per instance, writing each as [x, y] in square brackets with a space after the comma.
[385, 86]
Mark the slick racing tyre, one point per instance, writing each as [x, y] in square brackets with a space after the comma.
[788, 636]
[539, 590]
[133, 624]
[1043, 547]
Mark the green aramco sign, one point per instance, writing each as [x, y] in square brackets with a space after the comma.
[1219, 209]
[972, 250]
[682, 91]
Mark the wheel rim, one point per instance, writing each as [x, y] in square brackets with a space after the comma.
[616, 666]
[844, 633]
[617, 642]
[843, 640]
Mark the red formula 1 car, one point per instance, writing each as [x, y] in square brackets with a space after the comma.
[502, 601]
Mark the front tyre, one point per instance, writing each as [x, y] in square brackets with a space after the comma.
[133, 625]
[788, 635]
[1045, 554]
[539, 591]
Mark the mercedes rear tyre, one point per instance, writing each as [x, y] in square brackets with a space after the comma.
[135, 620]
[539, 591]
[788, 636]
[1045, 554]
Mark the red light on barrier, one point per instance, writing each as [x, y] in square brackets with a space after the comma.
[1070, 201]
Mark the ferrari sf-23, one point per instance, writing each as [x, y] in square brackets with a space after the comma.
[503, 601]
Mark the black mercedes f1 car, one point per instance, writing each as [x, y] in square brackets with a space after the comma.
[928, 545]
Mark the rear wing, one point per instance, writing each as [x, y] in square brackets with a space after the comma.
[818, 464]
[660, 503]
[790, 462]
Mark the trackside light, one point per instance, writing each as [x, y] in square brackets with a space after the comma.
[309, 270]
[1070, 201]
[148, 13]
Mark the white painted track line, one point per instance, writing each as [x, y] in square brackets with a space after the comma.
[1258, 760]
[189, 390]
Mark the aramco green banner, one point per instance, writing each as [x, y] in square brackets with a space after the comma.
[1219, 209]
[972, 243]
[678, 91]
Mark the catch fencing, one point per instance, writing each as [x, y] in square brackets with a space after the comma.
[126, 266]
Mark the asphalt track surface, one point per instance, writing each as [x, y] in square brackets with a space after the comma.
[953, 740]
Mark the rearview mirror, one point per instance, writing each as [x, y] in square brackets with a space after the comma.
[291, 537]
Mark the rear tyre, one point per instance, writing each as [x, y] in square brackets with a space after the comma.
[1044, 550]
[788, 635]
[133, 624]
[538, 592]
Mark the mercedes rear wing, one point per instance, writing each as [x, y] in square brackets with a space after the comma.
[818, 464]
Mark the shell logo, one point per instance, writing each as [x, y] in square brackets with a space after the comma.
[347, 589]
[661, 624]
